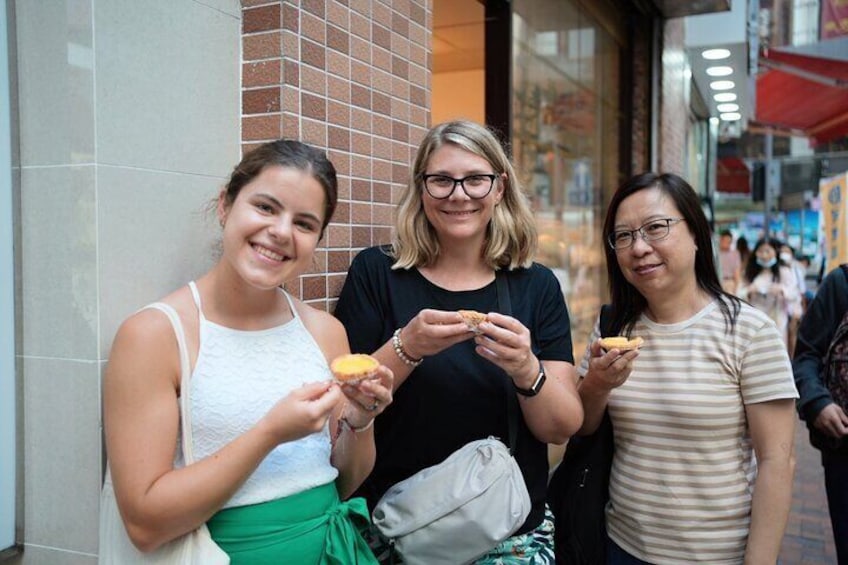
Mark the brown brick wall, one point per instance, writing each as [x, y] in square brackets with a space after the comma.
[640, 155]
[352, 77]
[674, 109]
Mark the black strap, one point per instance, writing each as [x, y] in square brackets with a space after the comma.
[605, 324]
[505, 307]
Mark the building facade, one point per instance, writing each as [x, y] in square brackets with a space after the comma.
[125, 118]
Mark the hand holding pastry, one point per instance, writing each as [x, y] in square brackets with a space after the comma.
[611, 362]
[433, 331]
[505, 341]
[366, 384]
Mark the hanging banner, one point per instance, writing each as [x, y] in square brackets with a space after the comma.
[834, 18]
[834, 192]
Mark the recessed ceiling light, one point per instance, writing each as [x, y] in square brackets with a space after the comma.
[727, 107]
[724, 97]
[719, 71]
[715, 54]
[731, 116]
[722, 84]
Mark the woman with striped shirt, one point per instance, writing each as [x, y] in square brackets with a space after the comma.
[703, 412]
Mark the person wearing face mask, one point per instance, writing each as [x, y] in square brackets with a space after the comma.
[787, 255]
[769, 285]
[730, 262]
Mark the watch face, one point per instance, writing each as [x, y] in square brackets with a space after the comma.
[537, 386]
[539, 382]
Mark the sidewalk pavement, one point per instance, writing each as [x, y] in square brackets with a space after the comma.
[809, 538]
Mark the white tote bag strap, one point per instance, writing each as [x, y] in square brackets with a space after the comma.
[185, 374]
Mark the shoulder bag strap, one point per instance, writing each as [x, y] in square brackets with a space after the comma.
[505, 307]
[606, 328]
[606, 321]
[185, 373]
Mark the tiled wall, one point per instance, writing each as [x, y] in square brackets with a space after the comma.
[351, 77]
[129, 123]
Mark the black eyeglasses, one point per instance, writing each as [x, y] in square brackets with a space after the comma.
[654, 230]
[475, 186]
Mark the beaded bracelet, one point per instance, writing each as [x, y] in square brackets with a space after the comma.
[344, 421]
[397, 344]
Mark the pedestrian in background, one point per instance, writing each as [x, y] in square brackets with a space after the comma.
[744, 251]
[796, 307]
[703, 413]
[826, 418]
[463, 219]
[769, 285]
[729, 262]
[268, 476]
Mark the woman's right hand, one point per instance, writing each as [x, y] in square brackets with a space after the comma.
[608, 369]
[304, 411]
[433, 331]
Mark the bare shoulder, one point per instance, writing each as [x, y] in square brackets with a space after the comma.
[146, 328]
[145, 341]
[150, 325]
[324, 327]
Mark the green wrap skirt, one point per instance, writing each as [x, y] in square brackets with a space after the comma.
[313, 526]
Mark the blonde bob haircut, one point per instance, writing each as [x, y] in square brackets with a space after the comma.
[511, 234]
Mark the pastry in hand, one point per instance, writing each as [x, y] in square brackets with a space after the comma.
[353, 367]
[473, 319]
[621, 343]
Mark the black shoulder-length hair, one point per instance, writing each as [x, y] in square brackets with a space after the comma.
[752, 268]
[627, 302]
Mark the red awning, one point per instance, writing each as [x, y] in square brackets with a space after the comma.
[804, 93]
[733, 176]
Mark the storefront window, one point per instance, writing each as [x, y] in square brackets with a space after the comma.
[565, 141]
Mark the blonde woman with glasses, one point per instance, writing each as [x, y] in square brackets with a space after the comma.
[462, 219]
[702, 413]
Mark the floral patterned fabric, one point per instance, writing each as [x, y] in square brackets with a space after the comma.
[536, 547]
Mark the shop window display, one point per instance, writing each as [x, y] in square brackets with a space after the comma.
[565, 136]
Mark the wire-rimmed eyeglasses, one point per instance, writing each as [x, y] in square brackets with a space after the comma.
[654, 230]
[475, 186]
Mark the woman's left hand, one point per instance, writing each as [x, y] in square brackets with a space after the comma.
[506, 342]
[368, 398]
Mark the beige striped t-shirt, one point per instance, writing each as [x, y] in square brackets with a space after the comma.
[684, 470]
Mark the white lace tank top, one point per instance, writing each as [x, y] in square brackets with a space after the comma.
[239, 375]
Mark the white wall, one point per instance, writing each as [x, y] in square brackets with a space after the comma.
[129, 123]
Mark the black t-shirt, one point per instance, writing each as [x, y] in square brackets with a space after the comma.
[455, 396]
